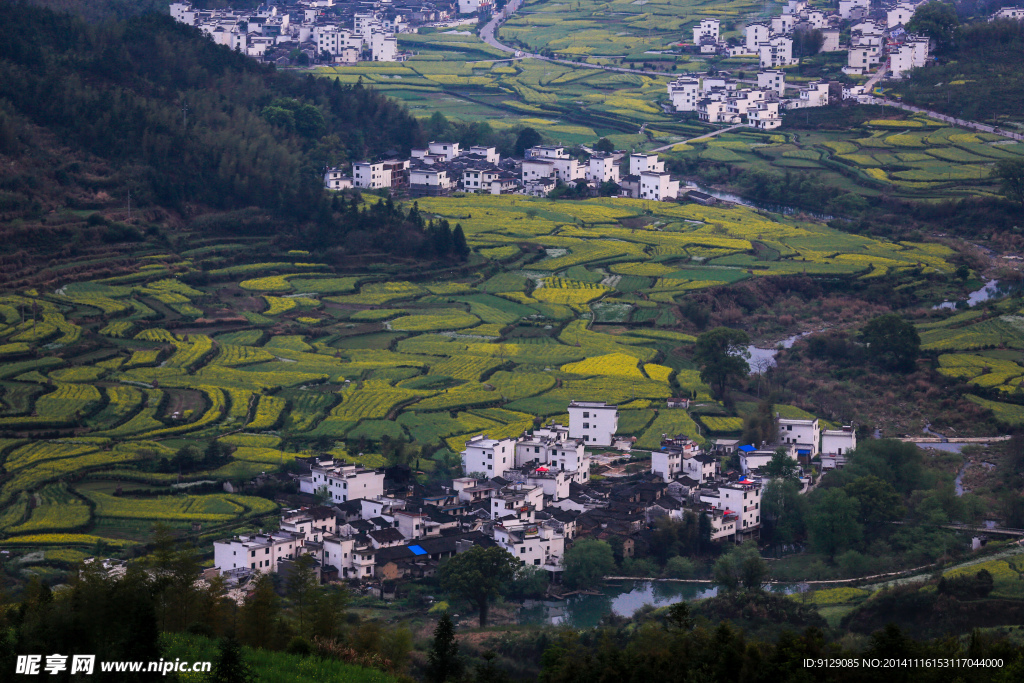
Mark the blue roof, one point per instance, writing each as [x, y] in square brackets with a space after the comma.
[803, 451]
[747, 449]
[417, 550]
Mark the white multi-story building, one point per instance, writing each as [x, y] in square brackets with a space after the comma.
[645, 163]
[604, 168]
[830, 40]
[814, 94]
[371, 176]
[535, 169]
[479, 179]
[658, 186]
[802, 434]
[707, 28]
[551, 447]
[861, 59]
[783, 23]
[343, 482]
[594, 422]
[900, 14]
[311, 524]
[1015, 13]
[474, 6]
[429, 181]
[490, 457]
[684, 93]
[383, 47]
[490, 154]
[539, 545]
[776, 51]
[335, 179]
[913, 54]
[765, 116]
[448, 150]
[772, 80]
[846, 7]
[256, 552]
[745, 501]
[755, 34]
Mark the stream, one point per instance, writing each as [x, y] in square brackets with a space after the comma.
[993, 289]
[765, 358]
[771, 208]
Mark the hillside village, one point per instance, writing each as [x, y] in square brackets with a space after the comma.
[532, 495]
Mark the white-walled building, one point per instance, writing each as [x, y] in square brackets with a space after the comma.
[490, 457]
[765, 116]
[707, 28]
[772, 80]
[335, 179]
[256, 552]
[861, 59]
[803, 434]
[830, 40]
[658, 186]
[535, 169]
[684, 93]
[838, 441]
[552, 448]
[755, 34]
[745, 501]
[900, 14]
[474, 6]
[370, 176]
[603, 168]
[537, 545]
[490, 154]
[1015, 13]
[448, 150]
[429, 182]
[343, 482]
[645, 163]
[783, 23]
[814, 94]
[479, 180]
[383, 47]
[846, 7]
[594, 422]
[776, 51]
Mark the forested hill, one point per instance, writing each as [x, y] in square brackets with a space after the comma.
[89, 112]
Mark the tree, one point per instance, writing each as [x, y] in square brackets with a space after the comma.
[478, 575]
[302, 586]
[892, 342]
[1010, 174]
[488, 672]
[604, 145]
[760, 426]
[741, 566]
[879, 501]
[783, 511]
[230, 667]
[443, 660]
[257, 618]
[722, 355]
[937, 20]
[893, 461]
[781, 465]
[526, 139]
[586, 563]
[679, 568]
[833, 524]
[807, 42]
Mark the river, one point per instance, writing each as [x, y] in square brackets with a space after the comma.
[622, 599]
[771, 208]
[993, 289]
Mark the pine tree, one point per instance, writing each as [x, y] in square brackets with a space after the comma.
[443, 661]
[230, 667]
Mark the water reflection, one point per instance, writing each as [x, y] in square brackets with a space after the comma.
[622, 599]
[993, 289]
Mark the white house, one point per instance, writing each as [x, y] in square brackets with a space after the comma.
[683, 92]
[755, 34]
[861, 59]
[370, 176]
[707, 28]
[255, 553]
[846, 7]
[899, 15]
[473, 6]
[479, 180]
[535, 169]
[383, 47]
[772, 80]
[803, 434]
[745, 501]
[776, 51]
[658, 186]
[838, 441]
[429, 181]
[551, 447]
[1015, 13]
[448, 150]
[604, 168]
[491, 457]
[815, 94]
[490, 154]
[539, 545]
[645, 163]
[765, 116]
[344, 482]
[335, 179]
[594, 422]
[829, 40]
[783, 23]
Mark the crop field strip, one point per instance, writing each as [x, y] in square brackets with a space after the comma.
[478, 355]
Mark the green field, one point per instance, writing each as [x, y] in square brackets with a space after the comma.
[430, 361]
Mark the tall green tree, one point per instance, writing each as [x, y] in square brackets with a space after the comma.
[478, 575]
[527, 138]
[892, 342]
[781, 465]
[832, 523]
[1010, 174]
[258, 617]
[879, 501]
[937, 20]
[443, 661]
[302, 587]
[893, 461]
[586, 563]
[722, 356]
[783, 511]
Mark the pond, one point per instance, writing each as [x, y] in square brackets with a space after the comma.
[993, 289]
[765, 358]
[622, 599]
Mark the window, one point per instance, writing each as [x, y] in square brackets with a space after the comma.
[586, 414]
[586, 425]
[537, 561]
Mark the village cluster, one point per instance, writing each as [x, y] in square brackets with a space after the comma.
[444, 167]
[531, 495]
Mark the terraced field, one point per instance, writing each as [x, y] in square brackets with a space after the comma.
[101, 395]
